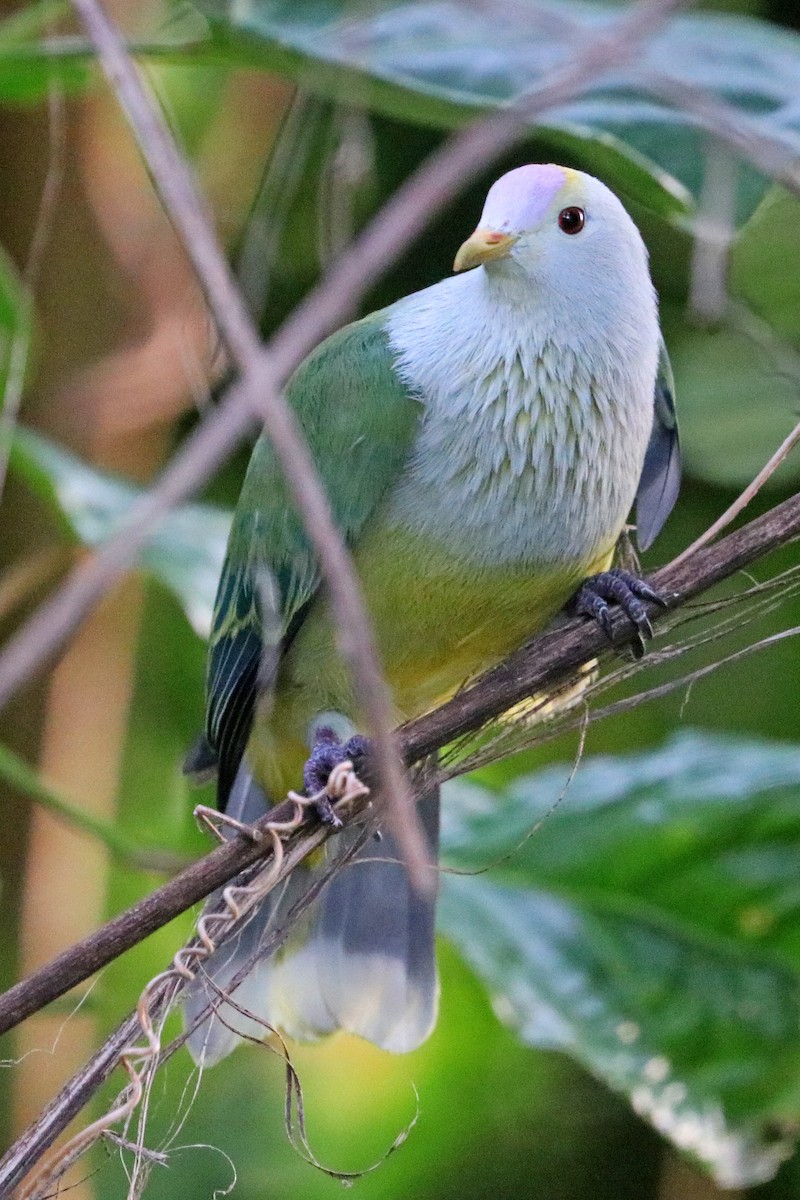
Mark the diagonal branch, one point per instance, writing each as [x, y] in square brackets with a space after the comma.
[29, 1148]
[539, 666]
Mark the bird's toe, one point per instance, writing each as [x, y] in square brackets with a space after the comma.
[629, 591]
[326, 754]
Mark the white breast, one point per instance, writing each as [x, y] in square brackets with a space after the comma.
[530, 450]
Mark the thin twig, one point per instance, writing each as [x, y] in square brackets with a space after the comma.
[140, 1055]
[741, 502]
[554, 657]
[745, 134]
[34, 1142]
[175, 184]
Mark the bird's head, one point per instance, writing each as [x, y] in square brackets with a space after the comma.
[558, 230]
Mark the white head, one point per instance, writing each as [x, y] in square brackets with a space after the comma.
[558, 241]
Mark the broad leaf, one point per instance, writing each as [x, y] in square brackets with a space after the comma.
[185, 553]
[735, 403]
[759, 258]
[439, 62]
[650, 930]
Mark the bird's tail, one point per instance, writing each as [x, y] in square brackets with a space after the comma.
[362, 958]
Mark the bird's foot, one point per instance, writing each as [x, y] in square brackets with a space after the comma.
[625, 589]
[332, 772]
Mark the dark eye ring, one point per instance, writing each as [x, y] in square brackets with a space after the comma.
[571, 220]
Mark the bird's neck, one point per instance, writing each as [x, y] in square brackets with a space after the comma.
[529, 447]
[467, 326]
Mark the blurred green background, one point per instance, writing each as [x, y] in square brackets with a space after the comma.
[634, 967]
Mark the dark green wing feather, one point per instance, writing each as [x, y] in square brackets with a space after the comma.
[661, 473]
[360, 422]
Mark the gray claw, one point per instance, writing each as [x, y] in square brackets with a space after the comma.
[626, 590]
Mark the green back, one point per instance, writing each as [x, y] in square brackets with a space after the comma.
[359, 421]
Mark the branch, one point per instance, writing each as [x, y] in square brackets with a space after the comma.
[741, 133]
[550, 659]
[539, 666]
[17, 1163]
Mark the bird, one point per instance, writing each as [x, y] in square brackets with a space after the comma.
[482, 443]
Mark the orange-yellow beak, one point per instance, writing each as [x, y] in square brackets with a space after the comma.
[483, 246]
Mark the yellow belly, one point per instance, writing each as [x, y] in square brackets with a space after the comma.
[437, 623]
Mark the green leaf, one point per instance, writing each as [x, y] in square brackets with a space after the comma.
[758, 274]
[13, 306]
[735, 404]
[28, 70]
[282, 251]
[650, 930]
[438, 63]
[739, 385]
[23, 778]
[15, 321]
[26, 74]
[185, 553]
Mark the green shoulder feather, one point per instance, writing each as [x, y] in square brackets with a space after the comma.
[359, 421]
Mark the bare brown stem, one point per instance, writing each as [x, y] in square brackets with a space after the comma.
[539, 666]
[36, 1140]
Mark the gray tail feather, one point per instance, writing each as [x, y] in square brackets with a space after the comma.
[362, 960]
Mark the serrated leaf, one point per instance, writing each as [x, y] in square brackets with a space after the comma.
[185, 553]
[438, 62]
[649, 929]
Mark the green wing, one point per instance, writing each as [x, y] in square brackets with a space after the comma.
[359, 421]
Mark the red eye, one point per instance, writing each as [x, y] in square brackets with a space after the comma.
[571, 220]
